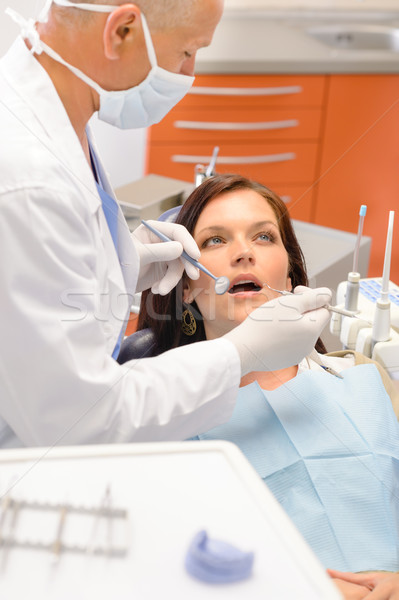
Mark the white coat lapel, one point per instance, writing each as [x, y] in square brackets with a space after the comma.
[129, 260]
[53, 129]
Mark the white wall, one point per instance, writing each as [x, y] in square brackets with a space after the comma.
[330, 4]
[122, 151]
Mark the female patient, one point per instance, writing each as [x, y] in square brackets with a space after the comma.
[322, 434]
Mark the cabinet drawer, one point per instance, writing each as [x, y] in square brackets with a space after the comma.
[278, 162]
[299, 199]
[218, 125]
[256, 91]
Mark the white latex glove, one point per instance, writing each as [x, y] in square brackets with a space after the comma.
[280, 333]
[161, 267]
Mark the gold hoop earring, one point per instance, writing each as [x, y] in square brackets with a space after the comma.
[188, 323]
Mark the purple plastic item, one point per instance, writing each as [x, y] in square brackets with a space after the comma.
[214, 561]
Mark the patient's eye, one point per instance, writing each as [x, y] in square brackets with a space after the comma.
[215, 240]
[266, 236]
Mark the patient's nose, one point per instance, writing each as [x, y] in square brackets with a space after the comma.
[243, 251]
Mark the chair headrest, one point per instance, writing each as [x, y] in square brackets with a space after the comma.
[170, 215]
[140, 344]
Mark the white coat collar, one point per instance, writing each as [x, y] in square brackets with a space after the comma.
[52, 127]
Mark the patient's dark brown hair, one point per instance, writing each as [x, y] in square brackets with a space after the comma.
[163, 314]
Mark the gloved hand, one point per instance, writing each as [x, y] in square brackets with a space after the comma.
[161, 267]
[280, 333]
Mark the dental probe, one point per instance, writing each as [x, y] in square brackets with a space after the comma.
[221, 283]
[340, 311]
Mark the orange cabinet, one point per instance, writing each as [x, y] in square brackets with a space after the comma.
[267, 128]
[327, 144]
[360, 160]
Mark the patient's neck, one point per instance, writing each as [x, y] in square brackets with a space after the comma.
[270, 380]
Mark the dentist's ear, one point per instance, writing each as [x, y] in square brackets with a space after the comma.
[122, 25]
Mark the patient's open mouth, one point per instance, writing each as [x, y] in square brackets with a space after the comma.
[244, 286]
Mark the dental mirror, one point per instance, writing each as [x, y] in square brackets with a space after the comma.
[221, 283]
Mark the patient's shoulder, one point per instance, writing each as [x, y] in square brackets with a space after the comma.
[392, 387]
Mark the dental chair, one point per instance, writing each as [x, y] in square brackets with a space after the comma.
[141, 343]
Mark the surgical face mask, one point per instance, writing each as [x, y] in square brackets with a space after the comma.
[140, 106]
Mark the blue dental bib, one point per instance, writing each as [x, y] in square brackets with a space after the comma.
[328, 449]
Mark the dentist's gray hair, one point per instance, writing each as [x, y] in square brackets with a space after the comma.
[160, 14]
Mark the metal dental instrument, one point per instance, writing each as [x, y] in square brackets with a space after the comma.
[57, 544]
[201, 173]
[211, 167]
[108, 506]
[15, 506]
[5, 506]
[221, 283]
[340, 311]
[11, 538]
[104, 513]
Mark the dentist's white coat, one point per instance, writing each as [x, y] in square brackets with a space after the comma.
[63, 295]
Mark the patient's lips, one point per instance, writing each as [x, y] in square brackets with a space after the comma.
[245, 284]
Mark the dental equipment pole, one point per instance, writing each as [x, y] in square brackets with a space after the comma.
[211, 167]
[382, 316]
[201, 173]
[352, 286]
[221, 283]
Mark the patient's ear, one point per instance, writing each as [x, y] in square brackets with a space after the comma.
[187, 295]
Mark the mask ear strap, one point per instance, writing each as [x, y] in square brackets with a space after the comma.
[102, 8]
[55, 56]
[28, 30]
[148, 40]
[43, 15]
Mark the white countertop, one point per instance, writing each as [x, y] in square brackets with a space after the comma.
[275, 41]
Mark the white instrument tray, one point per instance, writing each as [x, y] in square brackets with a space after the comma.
[171, 491]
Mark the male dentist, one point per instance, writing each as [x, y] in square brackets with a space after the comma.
[70, 264]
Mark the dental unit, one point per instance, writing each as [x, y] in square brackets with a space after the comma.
[375, 331]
